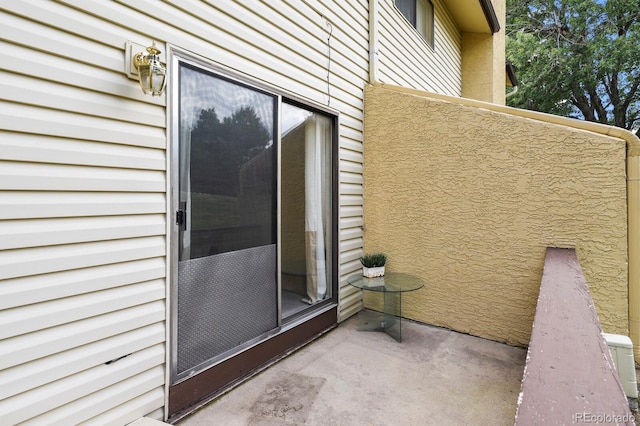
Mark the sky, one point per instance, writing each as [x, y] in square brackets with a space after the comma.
[201, 91]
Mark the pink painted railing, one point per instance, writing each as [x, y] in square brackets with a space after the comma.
[569, 376]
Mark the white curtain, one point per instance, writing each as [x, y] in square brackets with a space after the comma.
[317, 203]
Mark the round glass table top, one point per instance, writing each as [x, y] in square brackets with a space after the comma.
[394, 282]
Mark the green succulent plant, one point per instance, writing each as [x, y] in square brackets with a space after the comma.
[373, 260]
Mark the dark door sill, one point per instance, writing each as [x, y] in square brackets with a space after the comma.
[190, 394]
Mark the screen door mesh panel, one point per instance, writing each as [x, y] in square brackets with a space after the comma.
[224, 300]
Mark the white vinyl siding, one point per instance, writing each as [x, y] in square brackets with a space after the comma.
[83, 231]
[406, 59]
[83, 183]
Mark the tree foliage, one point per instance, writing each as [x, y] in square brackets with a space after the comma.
[577, 58]
[220, 148]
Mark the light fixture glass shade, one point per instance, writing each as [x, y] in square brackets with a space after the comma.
[151, 72]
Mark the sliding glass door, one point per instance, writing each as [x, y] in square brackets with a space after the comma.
[255, 221]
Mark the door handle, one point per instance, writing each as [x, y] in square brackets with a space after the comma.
[181, 216]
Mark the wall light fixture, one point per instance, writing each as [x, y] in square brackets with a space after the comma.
[151, 72]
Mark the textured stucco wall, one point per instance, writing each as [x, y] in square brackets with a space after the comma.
[469, 199]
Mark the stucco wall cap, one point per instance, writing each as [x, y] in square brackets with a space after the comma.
[632, 141]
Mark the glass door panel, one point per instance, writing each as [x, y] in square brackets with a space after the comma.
[306, 190]
[227, 284]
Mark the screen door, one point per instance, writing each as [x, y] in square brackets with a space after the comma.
[227, 256]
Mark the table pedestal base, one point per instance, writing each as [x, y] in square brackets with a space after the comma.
[389, 321]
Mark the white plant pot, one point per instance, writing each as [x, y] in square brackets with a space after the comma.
[372, 272]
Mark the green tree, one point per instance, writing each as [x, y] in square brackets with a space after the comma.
[220, 148]
[577, 58]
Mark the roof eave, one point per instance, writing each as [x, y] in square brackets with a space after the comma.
[474, 16]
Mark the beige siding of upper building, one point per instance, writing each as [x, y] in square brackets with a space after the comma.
[406, 59]
[471, 200]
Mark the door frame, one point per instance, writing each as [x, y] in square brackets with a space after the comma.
[187, 394]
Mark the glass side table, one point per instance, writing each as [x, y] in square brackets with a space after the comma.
[392, 284]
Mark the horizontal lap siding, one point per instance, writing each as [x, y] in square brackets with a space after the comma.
[405, 59]
[83, 181]
[83, 230]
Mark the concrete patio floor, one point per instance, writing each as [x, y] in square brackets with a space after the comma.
[350, 377]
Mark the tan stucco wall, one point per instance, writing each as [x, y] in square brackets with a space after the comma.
[483, 62]
[499, 56]
[477, 66]
[469, 199]
[633, 190]
[293, 203]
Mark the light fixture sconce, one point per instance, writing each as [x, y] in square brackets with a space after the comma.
[151, 72]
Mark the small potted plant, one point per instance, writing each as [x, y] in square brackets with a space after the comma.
[373, 264]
